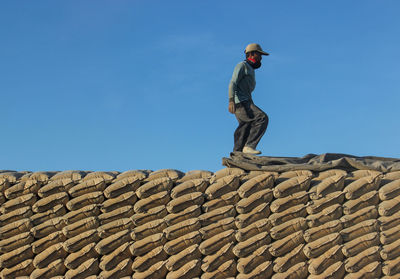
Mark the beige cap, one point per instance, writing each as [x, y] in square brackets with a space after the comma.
[255, 47]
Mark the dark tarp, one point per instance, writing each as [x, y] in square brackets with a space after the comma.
[311, 162]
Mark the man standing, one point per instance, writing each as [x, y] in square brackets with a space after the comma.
[252, 120]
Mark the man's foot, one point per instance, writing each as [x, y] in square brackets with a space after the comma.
[250, 150]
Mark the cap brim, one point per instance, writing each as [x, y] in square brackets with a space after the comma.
[263, 52]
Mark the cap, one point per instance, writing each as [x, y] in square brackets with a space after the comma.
[255, 47]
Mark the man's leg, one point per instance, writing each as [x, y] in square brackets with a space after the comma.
[241, 134]
[258, 125]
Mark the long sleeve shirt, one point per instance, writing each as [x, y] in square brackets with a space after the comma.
[242, 83]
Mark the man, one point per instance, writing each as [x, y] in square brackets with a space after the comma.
[252, 120]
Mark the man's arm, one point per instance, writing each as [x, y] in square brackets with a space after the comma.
[236, 77]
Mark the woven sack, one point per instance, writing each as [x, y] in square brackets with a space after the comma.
[360, 229]
[21, 201]
[295, 272]
[323, 262]
[16, 241]
[190, 186]
[189, 270]
[291, 186]
[14, 228]
[262, 271]
[195, 174]
[43, 243]
[86, 269]
[254, 173]
[154, 186]
[177, 261]
[22, 188]
[355, 263]
[84, 200]
[247, 264]
[113, 227]
[391, 267]
[122, 212]
[143, 205]
[317, 247]
[74, 175]
[16, 256]
[357, 174]
[230, 198]
[389, 207]
[150, 228]
[258, 183]
[213, 261]
[215, 243]
[131, 174]
[157, 270]
[330, 184]
[48, 227]
[56, 186]
[80, 226]
[388, 222]
[122, 269]
[334, 271]
[121, 186]
[327, 228]
[331, 213]
[245, 248]
[217, 227]
[364, 214]
[362, 186]
[316, 206]
[145, 245]
[182, 228]
[390, 190]
[152, 214]
[293, 212]
[226, 172]
[172, 174]
[390, 251]
[368, 199]
[81, 240]
[246, 205]
[282, 204]
[108, 176]
[75, 259]
[225, 270]
[282, 246]
[282, 264]
[260, 212]
[179, 244]
[142, 263]
[294, 173]
[390, 236]
[289, 227]
[55, 268]
[56, 211]
[88, 186]
[128, 198]
[359, 244]
[109, 244]
[190, 212]
[24, 268]
[217, 214]
[370, 271]
[49, 202]
[82, 213]
[222, 186]
[263, 225]
[52, 253]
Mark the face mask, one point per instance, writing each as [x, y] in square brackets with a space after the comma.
[253, 63]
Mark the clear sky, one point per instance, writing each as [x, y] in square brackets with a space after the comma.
[142, 84]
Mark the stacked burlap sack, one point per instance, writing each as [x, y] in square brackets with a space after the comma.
[199, 224]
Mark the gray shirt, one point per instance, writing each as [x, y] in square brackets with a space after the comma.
[242, 83]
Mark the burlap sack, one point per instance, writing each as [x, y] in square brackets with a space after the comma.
[173, 174]
[114, 227]
[359, 244]
[150, 228]
[145, 245]
[263, 270]
[334, 271]
[222, 186]
[85, 199]
[75, 259]
[87, 186]
[86, 269]
[48, 227]
[393, 175]
[56, 186]
[366, 213]
[217, 214]
[14, 242]
[226, 172]
[215, 243]
[282, 246]
[56, 211]
[246, 205]
[81, 226]
[254, 173]
[329, 173]
[24, 268]
[327, 228]
[81, 240]
[109, 244]
[291, 186]
[290, 174]
[16, 256]
[11, 176]
[74, 175]
[213, 261]
[245, 248]
[391, 267]
[43, 243]
[128, 198]
[289, 227]
[2, 198]
[368, 199]
[355, 263]
[120, 271]
[108, 176]
[119, 213]
[52, 253]
[142, 263]
[154, 186]
[55, 268]
[263, 225]
[110, 261]
[157, 270]
[293, 212]
[195, 174]
[131, 174]
[190, 270]
[21, 201]
[390, 251]
[390, 236]
[14, 228]
[231, 198]
[143, 205]
[357, 174]
[184, 202]
[22, 188]
[152, 214]
[389, 207]
[182, 228]
[217, 227]
[330, 185]
[316, 206]
[295, 272]
[317, 247]
[260, 212]
[177, 261]
[225, 270]
[179, 244]
[370, 271]
[333, 212]
[121, 186]
[82, 213]
[388, 222]
[247, 264]
[390, 190]
[282, 264]
[258, 183]
[190, 186]
[360, 229]
[320, 264]
[362, 186]
[282, 204]
[49, 202]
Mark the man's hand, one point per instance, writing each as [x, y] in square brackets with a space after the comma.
[231, 107]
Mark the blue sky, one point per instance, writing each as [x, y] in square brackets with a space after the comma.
[119, 85]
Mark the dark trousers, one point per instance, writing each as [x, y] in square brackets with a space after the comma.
[253, 123]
